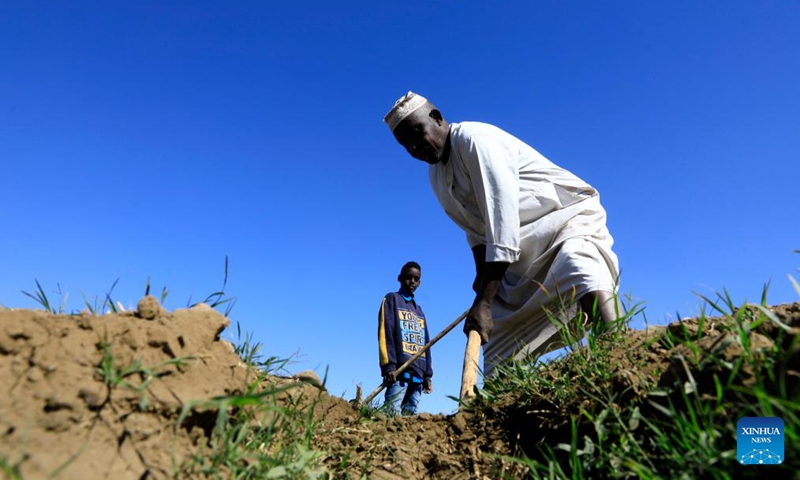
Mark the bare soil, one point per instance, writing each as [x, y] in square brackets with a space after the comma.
[61, 416]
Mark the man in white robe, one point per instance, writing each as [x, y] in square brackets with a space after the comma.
[538, 233]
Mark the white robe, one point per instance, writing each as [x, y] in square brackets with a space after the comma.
[543, 220]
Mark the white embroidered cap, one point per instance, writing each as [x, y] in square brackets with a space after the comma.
[403, 107]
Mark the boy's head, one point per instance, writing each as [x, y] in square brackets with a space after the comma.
[409, 278]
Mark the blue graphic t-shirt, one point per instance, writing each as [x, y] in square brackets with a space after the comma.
[402, 332]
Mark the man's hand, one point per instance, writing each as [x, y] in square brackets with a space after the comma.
[390, 377]
[479, 319]
[427, 385]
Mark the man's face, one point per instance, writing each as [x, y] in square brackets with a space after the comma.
[409, 279]
[423, 135]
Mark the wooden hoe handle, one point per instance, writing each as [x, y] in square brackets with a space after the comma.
[469, 374]
[419, 354]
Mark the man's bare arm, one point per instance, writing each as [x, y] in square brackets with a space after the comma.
[479, 255]
[486, 285]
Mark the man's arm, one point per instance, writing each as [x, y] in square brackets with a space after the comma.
[495, 181]
[494, 176]
[479, 317]
[479, 255]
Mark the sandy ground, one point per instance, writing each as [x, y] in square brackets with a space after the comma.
[60, 415]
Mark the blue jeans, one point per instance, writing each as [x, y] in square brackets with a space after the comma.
[410, 399]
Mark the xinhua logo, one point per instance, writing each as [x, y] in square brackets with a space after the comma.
[759, 440]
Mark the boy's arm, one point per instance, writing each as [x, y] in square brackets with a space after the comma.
[387, 322]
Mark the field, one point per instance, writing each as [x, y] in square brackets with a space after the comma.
[149, 393]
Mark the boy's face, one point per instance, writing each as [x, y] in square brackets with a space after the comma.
[409, 279]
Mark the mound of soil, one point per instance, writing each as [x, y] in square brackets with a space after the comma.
[99, 396]
[472, 443]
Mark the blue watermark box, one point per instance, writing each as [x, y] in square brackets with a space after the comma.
[759, 441]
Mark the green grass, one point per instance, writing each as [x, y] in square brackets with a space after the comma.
[98, 305]
[9, 470]
[115, 375]
[40, 297]
[678, 424]
[595, 420]
[261, 433]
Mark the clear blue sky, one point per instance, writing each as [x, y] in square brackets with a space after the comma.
[151, 139]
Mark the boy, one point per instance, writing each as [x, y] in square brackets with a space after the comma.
[402, 331]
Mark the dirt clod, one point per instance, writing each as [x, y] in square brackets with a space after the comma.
[148, 308]
[309, 377]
